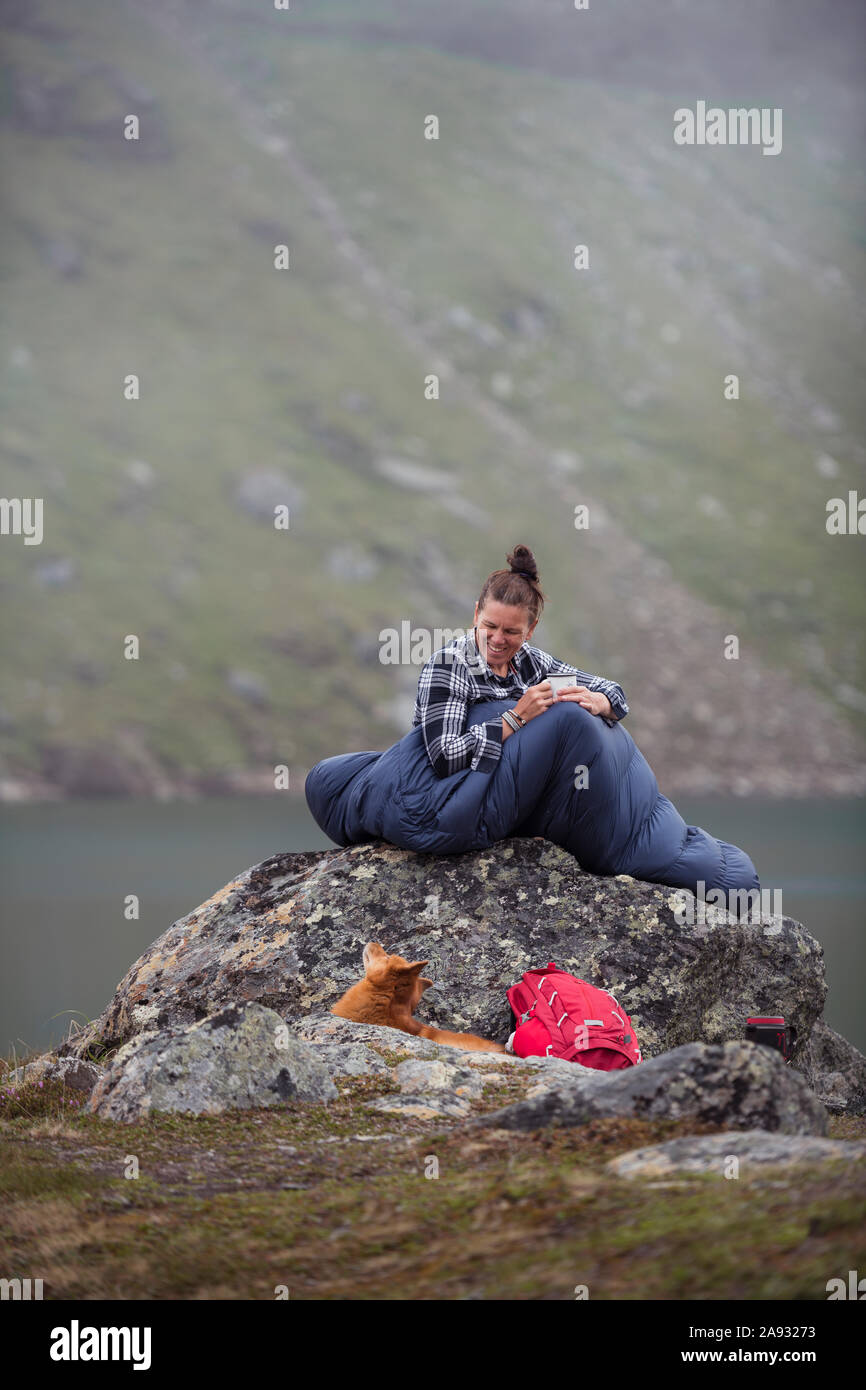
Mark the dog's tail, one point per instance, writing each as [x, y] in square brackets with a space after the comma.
[470, 1041]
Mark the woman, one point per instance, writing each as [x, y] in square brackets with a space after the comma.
[493, 752]
[495, 662]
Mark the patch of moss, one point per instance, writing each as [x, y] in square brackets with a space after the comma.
[230, 1206]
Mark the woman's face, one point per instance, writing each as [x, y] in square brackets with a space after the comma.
[500, 631]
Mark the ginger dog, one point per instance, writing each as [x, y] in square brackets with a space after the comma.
[389, 994]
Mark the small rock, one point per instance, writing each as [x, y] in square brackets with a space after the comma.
[711, 1153]
[416, 1077]
[259, 493]
[351, 564]
[418, 477]
[140, 472]
[74, 1072]
[423, 1107]
[564, 461]
[249, 687]
[55, 574]
[64, 255]
[827, 466]
[236, 1059]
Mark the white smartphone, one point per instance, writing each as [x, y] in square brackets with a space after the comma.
[562, 682]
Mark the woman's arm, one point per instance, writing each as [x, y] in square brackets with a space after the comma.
[614, 692]
[442, 707]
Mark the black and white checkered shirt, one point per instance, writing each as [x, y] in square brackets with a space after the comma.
[457, 676]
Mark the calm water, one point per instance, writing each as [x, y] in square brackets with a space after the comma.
[65, 870]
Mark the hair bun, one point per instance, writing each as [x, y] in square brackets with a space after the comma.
[522, 561]
[498, 585]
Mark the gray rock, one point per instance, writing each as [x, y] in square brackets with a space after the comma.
[835, 1070]
[421, 1106]
[289, 932]
[74, 1072]
[55, 574]
[351, 563]
[417, 1077]
[258, 493]
[249, 687]
[329, 1028]
[739, 1084]
[753, 1149]
[236, 1059]
[418, 477]
[351, 1059]
[343, 1033]
[65, 255]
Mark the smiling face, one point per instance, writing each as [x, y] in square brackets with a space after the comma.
[500, 631]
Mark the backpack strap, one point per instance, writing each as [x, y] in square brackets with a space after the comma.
[552, 1019]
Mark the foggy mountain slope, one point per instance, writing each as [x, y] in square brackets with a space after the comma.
[604, 391]
[649, 45]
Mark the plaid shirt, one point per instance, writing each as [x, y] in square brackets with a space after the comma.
[457, 676]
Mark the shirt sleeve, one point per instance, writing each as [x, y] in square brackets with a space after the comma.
[442, 708]
[614, 692]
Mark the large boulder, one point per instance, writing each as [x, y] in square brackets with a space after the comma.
[289, 934]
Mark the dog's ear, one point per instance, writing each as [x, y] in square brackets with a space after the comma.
[406, 968]
[375, 958]
[405, 978]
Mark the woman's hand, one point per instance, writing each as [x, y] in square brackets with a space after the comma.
[593, 700]
[535, 700]
[539, 698]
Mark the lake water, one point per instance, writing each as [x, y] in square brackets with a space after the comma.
[66, 868]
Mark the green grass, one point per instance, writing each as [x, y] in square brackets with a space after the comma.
[232, 1206]
[243, 368]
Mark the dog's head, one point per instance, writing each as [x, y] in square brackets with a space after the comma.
[402, 979]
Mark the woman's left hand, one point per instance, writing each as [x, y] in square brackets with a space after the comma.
[593, 700]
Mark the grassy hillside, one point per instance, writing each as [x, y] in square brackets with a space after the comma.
[260, 646]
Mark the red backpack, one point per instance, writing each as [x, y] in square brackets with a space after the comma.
[561, 1016]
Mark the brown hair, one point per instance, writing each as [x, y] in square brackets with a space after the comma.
[516, 589]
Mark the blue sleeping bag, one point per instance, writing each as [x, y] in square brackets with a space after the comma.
[612, 818]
